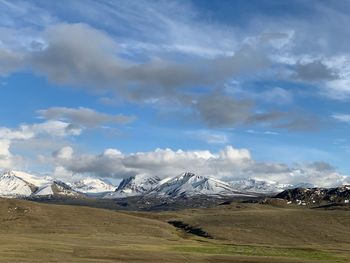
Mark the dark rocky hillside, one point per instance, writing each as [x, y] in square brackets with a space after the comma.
[309, 196]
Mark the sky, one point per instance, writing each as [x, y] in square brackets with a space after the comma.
[229, 89]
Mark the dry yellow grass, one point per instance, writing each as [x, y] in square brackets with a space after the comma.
[32, 232]
[269, 225]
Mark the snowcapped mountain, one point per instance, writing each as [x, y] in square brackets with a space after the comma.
[20, 184]
[32, 179]
[57, 189]
[183, 185]
[189, 184]
[92, 186]
[135, 186]
[16, 184]
[12, 186]
[257, 186]
[264, 187]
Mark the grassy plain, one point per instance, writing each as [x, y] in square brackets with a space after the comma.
[33, 232]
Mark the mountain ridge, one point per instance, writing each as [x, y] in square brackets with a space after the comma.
[190, 184]
[17, 184]
[316, 195]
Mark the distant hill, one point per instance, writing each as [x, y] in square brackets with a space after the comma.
[307, 196]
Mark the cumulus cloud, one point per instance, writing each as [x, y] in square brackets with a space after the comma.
[48, 128]
[227, 164]
[60, 123]
[59, 126]
[8, 160]
[83, 116]
[64, 153]
[4, 148]
[35, 136]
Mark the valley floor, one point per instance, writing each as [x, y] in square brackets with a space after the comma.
[33, 232]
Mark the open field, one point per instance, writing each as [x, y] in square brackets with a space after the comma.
[32, 232]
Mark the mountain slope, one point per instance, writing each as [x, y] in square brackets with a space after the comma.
[16, 184]
[92, 186]
[57, 189]
[135, 186]
[316, 195]
[33, 179]
[12, 186]
[258, 186]
[189, 184]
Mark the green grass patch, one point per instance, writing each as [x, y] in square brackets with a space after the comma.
[262, 251]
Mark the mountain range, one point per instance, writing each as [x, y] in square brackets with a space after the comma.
[183, 185]
[16, 184]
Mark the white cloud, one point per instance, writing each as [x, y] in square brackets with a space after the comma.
[62, 173]
[112, 152]
[234, 155]
[228, 164]
[15, 134]
[7, 160]
[32, 136]
[342, 117]
[4, 148]
[53, 128]
[48, 128]
[41, 138]
[65, 153]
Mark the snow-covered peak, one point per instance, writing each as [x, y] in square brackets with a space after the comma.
[22, 184]
[92, 185]
[32, 179]
[13, 186]
[58, 189]
[189, 184]
[183, 185]
[258, 186]
[134, 186]
[44, 191]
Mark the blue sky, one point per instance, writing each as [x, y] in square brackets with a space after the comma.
[82, 79]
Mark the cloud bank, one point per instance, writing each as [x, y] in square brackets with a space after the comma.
[228, 164]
